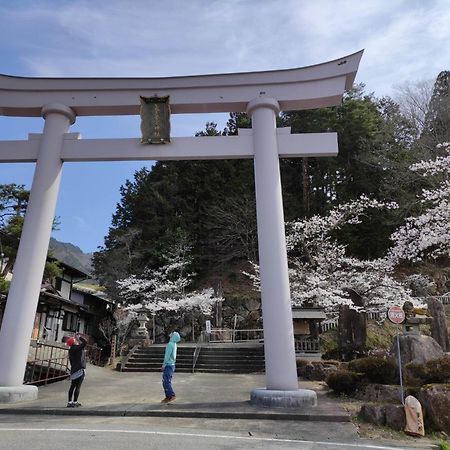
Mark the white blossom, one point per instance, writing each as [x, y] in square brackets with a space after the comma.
[322, 275]
[428, 234]
[164, 288]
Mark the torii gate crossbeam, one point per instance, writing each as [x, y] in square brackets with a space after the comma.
[261, 94]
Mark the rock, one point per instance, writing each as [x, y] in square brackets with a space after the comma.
[416, 348]
[252, 304]
[316, 370]
[378, 393]
[435, 400]
[392, 416]
[395, 416]
[352, 332]
[439, 329]
[373, 414]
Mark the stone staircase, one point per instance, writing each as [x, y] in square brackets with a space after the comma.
[220, 358]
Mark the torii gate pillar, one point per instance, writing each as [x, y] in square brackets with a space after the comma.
[31, 256]
[281, 370]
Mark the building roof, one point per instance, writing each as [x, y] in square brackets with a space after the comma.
[93, 292]
[308, 313]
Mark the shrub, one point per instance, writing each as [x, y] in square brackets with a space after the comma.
[343, 381]
[415, 374]
[438, 370]
[433, 371]
[375, 370]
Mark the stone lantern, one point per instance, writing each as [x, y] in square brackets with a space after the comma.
[140, 336]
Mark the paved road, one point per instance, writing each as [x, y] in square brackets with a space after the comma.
[111, 433]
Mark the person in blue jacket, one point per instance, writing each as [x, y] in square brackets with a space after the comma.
[168, 367]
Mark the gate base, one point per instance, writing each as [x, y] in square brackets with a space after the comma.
[15, 394]
[283, 399]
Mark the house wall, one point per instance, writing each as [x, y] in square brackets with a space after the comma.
[301, 327]
[77, 297]
[65, 288]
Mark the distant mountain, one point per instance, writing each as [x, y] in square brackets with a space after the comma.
[71, 255]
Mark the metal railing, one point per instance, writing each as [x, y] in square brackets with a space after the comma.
[227, 335]
[444, 299]
[48, 363]
[256, 334]
[195, 357]
[307, 345]
[220, 335]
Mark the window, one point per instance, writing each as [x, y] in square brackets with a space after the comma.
[70, 322]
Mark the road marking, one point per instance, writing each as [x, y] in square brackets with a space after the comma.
[201, 435]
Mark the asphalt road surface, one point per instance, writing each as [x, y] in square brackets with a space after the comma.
[110, 433]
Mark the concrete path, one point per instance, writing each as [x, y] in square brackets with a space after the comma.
[109, 393]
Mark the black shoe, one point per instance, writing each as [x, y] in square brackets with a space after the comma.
[76, 404]
[70, 405]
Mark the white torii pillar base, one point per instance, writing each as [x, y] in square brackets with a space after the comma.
[15, 394]
[283, 399]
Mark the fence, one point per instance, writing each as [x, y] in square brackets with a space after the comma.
[256, 334]
[228, 335]
[328, 325]
[48, 363]
[444, 299]
[307, 345]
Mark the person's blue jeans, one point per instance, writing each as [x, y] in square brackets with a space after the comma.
[167, 381]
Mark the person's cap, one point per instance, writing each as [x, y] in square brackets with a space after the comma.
[70, 341]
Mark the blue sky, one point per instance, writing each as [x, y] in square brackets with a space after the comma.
[404, 40]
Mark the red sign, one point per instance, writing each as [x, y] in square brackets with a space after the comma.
[396, 314]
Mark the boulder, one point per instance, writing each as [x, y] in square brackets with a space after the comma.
[316, 370]
[439, 329]
[378, 393]
[252, 304]
[435, 400]
[416, 348]
[392, 416]
[375, 414]
[352, 331]
[395, 417]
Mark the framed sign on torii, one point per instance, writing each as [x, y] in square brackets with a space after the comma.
[260, 94]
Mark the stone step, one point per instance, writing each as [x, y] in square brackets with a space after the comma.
[239, 359]
[200, 370]
[201, 357]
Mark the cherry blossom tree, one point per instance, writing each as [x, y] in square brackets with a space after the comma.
[320, 272]
[165, 288]
[428, 234]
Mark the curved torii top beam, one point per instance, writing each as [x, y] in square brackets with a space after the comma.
[308, 87]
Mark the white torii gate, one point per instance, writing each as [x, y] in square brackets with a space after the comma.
[261, 94]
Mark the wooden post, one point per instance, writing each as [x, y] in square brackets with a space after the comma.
[112, 359]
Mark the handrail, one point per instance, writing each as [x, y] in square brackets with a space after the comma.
[124, 362]
[50, 363]
[195, 357]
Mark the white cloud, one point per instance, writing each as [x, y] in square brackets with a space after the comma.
[403, 40]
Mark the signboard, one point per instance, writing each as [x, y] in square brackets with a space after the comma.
[155, 120]
[208, 326]
[396, 314]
